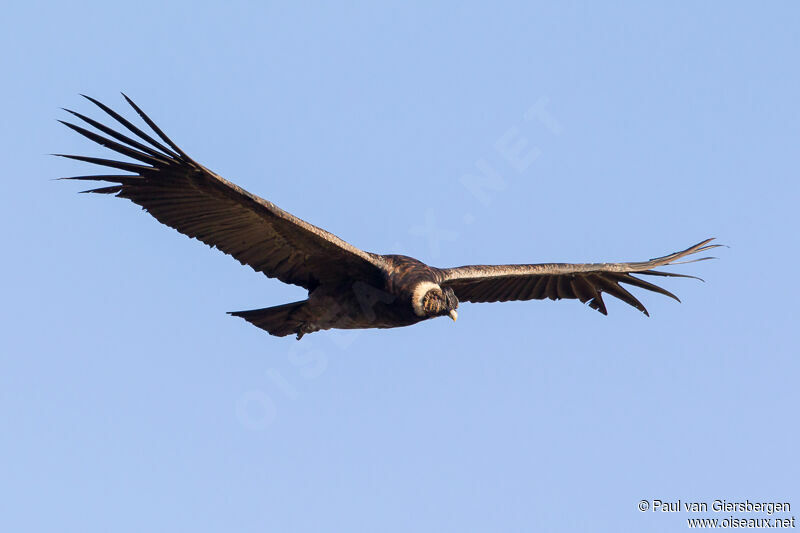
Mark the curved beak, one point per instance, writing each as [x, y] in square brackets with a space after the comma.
[453, 315]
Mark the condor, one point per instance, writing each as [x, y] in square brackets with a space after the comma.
[347, 287]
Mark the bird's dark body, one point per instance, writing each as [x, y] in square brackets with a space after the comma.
[347, 287]
[382, 302]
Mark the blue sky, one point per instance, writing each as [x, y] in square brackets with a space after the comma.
[129, 401]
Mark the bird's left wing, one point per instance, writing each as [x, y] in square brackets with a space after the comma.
[185, 195]
[585, 282]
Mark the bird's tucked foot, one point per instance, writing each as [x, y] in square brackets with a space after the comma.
[304, 328]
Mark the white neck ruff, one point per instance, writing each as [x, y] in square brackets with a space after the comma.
[419, 293]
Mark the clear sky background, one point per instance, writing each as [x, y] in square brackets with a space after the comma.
[129, 401]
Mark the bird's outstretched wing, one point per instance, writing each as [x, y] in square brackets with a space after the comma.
[185, 195]
[585, 282]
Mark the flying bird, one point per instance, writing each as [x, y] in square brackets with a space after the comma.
[348, 288]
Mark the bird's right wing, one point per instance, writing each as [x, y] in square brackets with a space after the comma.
[184, 195]
[585, 282]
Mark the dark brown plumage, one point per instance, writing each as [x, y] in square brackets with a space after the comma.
[348, 287]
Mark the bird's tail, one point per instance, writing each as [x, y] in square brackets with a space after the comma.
[280, 320]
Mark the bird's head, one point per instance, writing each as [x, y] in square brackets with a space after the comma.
[430, 300]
